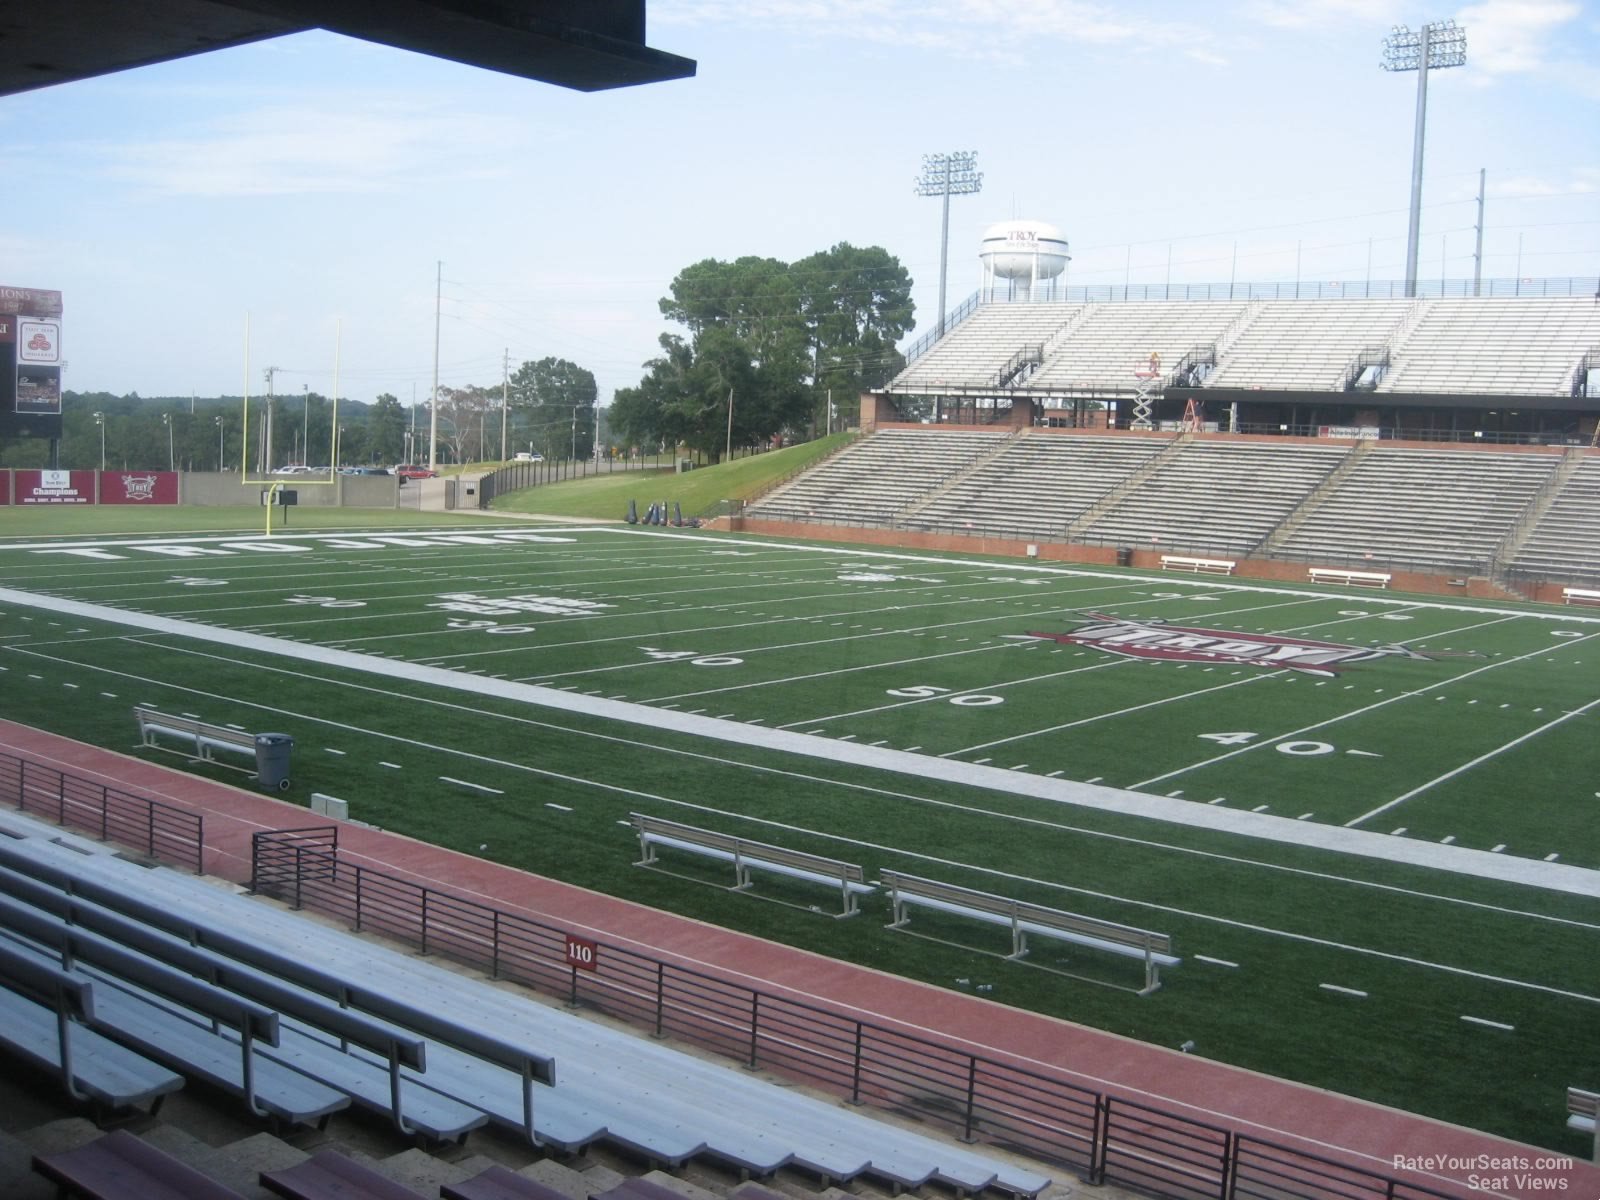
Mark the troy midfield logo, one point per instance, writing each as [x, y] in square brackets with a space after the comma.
[1156, 639]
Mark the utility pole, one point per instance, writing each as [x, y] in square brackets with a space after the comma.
[505, 398]
[433, 408]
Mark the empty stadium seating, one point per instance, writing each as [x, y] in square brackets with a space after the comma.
[973, 353]
[1102, 351]
[1306, 345]
[612, 1088]
[1423, 510]
[1499, 346]
[1217, 496]
[874, 479]
[1565, 542]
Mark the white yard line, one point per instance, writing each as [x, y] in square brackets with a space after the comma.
[1479, 761]
[1555, 876]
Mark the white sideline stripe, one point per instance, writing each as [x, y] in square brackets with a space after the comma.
[1561, 877]
[1487, 1022]
[1215, 962]
[1343, 991]
[477, 787]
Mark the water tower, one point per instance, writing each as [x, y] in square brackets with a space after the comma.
[1024, 255]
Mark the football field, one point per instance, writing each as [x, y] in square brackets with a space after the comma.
[1370, 822]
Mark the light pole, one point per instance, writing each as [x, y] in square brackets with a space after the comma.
[100, 420]
[218, 420]
[1437, 44]
[948, 175]
[305, 424]
[166, 419]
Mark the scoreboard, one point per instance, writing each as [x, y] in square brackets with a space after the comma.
[30, 362]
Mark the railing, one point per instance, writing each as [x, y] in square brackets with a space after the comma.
[1282, 289]
[1027, 1111]
[957, 315]
[161, 831]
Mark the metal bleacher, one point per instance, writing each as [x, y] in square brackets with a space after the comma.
[612, 1087]
[875, 478]
[1216, 496]
[1565, 542]
[1422, 509]
[1529, 346]
[1039, 484]
[973, 353]
[1306, 345]
[1101, 350]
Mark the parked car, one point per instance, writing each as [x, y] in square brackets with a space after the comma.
[410, 471]
[526, 456]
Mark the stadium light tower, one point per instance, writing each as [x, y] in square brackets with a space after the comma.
[1438, 44]
[948, 175]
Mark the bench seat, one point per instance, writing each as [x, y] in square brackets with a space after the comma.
[499, 1183]
[1060, 935]
[108, 1073]
[120, 1166]
[752, 860]
[328, 1175]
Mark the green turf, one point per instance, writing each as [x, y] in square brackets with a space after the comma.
[750, 630]
[606, 496]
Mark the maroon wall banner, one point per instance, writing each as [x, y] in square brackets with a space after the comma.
[138, 487]
[53, 487]
[5, 487]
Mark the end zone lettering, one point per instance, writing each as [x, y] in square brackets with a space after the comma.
[1155, 639]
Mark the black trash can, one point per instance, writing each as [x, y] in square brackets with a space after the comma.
[1124, 557]
[272, 761]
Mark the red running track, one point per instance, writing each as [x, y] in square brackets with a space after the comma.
[1364, 1134]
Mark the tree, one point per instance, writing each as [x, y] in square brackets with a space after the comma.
[385, 431]
[777, 336]
[553, 400]
[462, 414]
[857, 304]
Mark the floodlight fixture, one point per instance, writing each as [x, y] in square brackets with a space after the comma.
[1437, 44]
[947, 175]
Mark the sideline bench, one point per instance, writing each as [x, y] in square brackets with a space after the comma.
[1197, 566]
[1155, 949]
[204, 736]
[1583, 1115]
[746, 856]
[120, 1166]
[1570, 595]
[1371, 579]
[328, 1175]
[54, 1036]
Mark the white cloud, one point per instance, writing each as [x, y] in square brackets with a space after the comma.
[1377, 15]
[1514, 36]
[327, 144]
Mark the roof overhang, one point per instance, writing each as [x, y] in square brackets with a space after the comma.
[586, 45]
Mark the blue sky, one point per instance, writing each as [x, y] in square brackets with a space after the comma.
[310, 184]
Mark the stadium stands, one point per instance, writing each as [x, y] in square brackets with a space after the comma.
[1038, 483]
[614, 1088]
[1565, 542]
[1488, 346]
[871, 481]
[972, 354]
[1306, 345]
[1101, 351]
[1216, 496]
[1423, 510]
[1509, 347]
